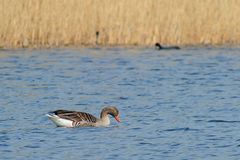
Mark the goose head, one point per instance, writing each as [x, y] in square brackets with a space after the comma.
[110, 110]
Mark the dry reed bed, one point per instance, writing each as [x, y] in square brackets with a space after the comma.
[33, 23]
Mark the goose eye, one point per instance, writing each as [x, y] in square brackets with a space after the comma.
[111, 114]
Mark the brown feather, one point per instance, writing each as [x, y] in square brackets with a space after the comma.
[76, 116]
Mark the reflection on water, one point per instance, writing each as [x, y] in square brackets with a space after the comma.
[174, 104]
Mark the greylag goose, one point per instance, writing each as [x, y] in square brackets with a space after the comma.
[160, 47]
[70, 119]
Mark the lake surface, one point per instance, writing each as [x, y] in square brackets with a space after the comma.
[182, 104]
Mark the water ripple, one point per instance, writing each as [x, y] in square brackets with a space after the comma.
[180, 129]
[223, 121]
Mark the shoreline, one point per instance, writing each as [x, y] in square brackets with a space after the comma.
[119, 46]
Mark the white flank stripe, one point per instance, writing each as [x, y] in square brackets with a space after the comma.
[59, 121]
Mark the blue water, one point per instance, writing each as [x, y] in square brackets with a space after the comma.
[181, 104]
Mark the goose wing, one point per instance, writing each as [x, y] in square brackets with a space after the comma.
[77, 117]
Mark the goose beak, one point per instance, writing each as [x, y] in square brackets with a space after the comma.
[117, 118]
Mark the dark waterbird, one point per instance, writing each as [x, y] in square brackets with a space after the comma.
[158, 46]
